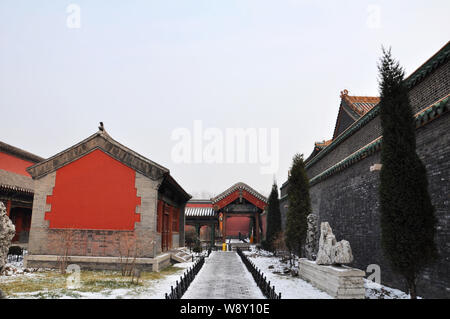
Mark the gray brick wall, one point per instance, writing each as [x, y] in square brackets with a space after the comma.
[431, 89]
[349, 202]
[349, 199]
[362, 137]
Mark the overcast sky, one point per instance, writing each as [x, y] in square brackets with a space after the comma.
[147, 68]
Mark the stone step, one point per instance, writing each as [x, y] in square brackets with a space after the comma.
[181, 255]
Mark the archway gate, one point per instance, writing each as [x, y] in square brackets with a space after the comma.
[240, 201]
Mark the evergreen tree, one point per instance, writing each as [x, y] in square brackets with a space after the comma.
[273, 217]
[407, 215]
[299, 206]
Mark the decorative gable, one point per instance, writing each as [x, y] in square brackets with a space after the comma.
[102, 141]
[94, 192]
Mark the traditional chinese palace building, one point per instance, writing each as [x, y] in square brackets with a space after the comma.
[344, 172]
[97, 201]
[17, 188]
[236, 213]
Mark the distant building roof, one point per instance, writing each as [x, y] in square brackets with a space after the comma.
[351, 109]
[235, 187]
[17, 152]
[360, 104]
[10, 181]
[199, 208]
[322, 144]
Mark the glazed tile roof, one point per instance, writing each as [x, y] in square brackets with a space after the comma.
[323, 144]
[355, 107]
[199, 211]
[199, 208]
[239, 186]
[360, 104]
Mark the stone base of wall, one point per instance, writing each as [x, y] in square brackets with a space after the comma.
[340, 282]
[97, 263]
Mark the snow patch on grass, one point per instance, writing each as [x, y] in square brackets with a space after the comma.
[378, 291]
[278, 272]
[50, 284]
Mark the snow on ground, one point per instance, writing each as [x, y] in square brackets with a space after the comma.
[289, 286]
[378, 291]
[223, 276]
[148, 289]
[47, 283]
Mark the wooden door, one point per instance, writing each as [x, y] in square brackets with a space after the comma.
[166, 232]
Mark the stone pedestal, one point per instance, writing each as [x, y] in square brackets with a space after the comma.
[97, 263]
[340, 282]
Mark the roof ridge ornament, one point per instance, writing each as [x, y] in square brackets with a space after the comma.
[344, 93]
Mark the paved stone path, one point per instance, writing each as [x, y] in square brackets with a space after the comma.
[223, 276]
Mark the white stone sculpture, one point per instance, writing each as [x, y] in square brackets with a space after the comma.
[330, 251]
[7, 232]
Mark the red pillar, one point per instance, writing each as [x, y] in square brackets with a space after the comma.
[8, 207]
[224, 227]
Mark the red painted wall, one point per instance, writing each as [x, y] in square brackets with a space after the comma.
[94, 192]
[237, 224]
[13, 164]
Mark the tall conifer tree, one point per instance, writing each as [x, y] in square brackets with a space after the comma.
[407, 215]
[299, 206]
[273, 217]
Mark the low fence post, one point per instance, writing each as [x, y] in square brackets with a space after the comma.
[185, 280]
[258, 276]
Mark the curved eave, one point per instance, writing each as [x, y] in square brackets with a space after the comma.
[236, 187]
[16, 189]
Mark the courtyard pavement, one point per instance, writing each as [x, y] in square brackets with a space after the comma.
[223, 276]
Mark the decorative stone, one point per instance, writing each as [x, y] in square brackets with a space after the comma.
[312, 236]
[7, 232]
[330, 251]
[326, 242]
[341, 253]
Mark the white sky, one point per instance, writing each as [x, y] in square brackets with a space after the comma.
[145, 68]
